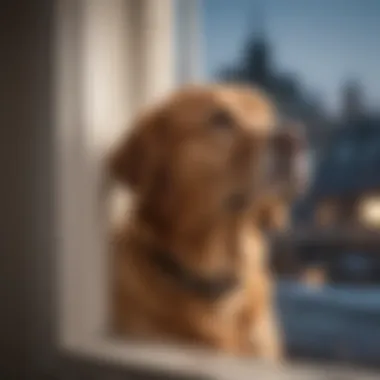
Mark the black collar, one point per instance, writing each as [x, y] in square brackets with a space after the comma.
[206, 288]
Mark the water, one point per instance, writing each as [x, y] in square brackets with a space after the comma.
[340, 323]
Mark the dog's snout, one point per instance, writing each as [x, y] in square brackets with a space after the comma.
[286, 161]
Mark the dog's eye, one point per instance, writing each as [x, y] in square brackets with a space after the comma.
[222, 119]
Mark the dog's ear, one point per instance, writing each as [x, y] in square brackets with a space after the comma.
[137, 152]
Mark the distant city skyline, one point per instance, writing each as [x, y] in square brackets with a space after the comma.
[323, 42]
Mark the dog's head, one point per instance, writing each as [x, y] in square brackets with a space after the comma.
[206, 152]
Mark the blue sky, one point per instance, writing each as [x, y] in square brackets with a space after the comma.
[324, 42]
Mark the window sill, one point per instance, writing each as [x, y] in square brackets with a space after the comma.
[195, 363]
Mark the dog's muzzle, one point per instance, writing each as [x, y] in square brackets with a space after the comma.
[285, 165]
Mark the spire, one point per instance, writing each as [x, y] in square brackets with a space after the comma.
[257, 20]
[258, 52]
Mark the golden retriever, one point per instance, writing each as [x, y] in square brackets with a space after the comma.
[190, 264]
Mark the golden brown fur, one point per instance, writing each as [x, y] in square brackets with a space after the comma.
[186, 160]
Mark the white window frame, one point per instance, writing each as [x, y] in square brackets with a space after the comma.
[96, 85]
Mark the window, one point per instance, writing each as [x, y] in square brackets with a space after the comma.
[112, 57]
[267, 43]
[369, 211]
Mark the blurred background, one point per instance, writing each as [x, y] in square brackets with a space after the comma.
[317, 59]
[319, 62]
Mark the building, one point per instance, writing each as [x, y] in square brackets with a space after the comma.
[342, 208]
[349, 178]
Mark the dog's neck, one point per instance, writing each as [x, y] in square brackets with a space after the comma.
[203, 269]
[208, 288]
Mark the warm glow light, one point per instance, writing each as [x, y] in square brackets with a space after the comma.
[370, 211]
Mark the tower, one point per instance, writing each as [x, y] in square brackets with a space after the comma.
[258, 59]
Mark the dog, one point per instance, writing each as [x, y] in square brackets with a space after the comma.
[210, 169]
